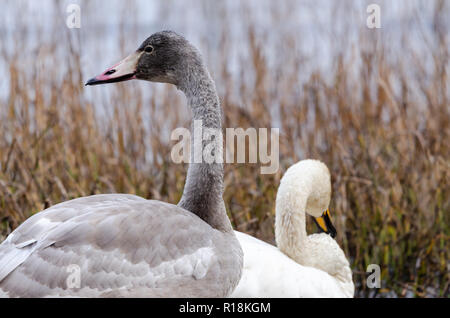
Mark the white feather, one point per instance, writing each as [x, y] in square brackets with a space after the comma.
[269, 273]
[316, 265]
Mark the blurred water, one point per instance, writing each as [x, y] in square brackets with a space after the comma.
[112, 28]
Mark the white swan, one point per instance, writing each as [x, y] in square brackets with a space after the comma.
[122, 245]
[301, 266]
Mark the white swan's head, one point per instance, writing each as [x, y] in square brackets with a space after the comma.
[306, 188]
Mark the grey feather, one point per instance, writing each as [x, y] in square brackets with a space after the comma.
[121, 244]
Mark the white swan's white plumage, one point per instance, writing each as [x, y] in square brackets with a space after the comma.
[301, 266]
[268, 272]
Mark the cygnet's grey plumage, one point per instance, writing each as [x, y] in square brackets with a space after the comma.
[127, 246]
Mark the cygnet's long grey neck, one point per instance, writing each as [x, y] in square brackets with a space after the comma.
[203, 189]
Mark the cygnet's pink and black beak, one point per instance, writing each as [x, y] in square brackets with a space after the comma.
[122, 71]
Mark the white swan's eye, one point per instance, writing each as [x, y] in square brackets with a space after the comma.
[149, 49]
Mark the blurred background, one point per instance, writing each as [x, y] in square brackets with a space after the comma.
[373, 104]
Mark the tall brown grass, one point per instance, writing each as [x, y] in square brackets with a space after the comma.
[378, 118]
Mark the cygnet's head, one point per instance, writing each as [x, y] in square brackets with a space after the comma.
[162, 57]
[308, 185]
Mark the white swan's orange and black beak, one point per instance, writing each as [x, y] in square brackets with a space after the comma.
[122, 71]
[324, 223]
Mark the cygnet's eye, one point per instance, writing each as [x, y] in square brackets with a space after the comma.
[149, 49]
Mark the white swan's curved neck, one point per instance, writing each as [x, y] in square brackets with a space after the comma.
[290, 224]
